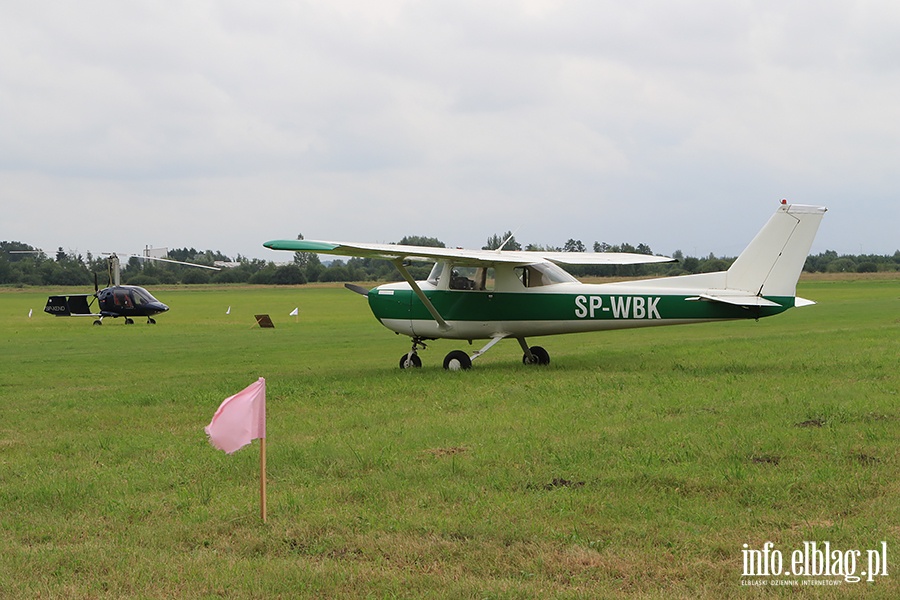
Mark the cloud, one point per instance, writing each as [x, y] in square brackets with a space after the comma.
[222, 125]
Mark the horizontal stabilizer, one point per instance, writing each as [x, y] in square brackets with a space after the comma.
[746, 301]
[66, 306]
[798, 301]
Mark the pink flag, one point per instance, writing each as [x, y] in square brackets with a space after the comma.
[240, 419]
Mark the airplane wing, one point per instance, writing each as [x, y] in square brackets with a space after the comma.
[602, 258]
[395, 252]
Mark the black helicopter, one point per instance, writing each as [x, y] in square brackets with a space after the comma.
[117, 300]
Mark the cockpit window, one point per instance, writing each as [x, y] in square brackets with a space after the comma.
[142, 296]
[540, 274]
[472, 278]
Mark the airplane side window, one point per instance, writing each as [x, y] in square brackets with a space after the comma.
[485, 278]
[472, 278]
[459, 281]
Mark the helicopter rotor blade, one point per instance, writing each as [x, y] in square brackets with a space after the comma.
[96, 285]
[177, 262]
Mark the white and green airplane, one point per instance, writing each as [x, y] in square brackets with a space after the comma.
[492, 295]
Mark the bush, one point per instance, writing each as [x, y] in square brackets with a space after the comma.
[194, 276]
[289, 275]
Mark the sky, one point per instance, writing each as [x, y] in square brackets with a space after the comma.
[223, 124]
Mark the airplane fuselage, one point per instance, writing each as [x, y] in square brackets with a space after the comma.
[569, 307]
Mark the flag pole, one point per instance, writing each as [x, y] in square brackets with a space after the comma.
[262, 478]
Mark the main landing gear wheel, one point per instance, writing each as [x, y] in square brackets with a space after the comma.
[151, 321]
[98, 322]
[129, 321]
[410, 361]
[457, 360]
[539, 356]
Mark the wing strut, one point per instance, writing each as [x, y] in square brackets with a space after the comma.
[415, 288]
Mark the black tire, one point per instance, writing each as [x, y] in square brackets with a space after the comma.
[128, 321]
[457, 360]
[541, 356]
[407, 361]
[98, 322]
[151, 321]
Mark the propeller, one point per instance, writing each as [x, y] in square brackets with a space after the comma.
[357, 288]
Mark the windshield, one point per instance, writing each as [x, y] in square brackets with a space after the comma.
[142, 296]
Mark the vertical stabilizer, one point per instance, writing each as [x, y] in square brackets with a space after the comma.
[771, 264]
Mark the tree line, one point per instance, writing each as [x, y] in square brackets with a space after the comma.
[22, 264]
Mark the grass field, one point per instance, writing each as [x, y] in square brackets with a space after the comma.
[637, 463]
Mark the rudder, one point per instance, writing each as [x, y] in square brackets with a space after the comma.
[772, 262]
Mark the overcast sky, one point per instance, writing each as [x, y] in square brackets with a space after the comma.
[221, 125]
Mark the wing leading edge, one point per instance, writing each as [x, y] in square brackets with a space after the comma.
[395, 252]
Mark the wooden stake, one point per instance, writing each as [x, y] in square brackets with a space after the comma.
[262, 478]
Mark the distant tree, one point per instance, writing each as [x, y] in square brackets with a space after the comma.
[508, 240]
[421, 240]
[713, 265]
[336, 273]
[573, 246]
[194, 276]
[231, 275]
[691, 264]
[842, 265]
[264, 276]
[291, 274]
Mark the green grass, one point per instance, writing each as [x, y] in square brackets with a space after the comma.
[638, 463]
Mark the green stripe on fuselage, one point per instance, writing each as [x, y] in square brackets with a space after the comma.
[507, 306]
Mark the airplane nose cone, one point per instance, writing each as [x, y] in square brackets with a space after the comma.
[160, 307]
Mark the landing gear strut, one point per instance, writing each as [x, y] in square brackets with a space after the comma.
[535, 355]
[458, 360]
[411, 359]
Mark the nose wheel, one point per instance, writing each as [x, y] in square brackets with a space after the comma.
[411, 359]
